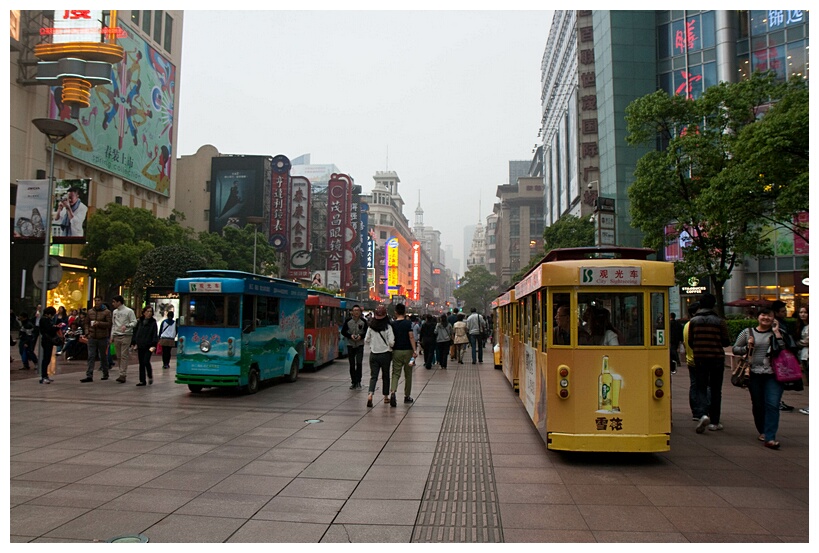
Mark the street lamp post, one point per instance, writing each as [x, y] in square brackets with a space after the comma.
[255, 221]
[55, 130]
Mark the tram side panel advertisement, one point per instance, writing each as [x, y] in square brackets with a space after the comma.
[237, 191]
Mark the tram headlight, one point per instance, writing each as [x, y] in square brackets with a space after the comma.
[204, 346]
[658, 393]
[658, 371]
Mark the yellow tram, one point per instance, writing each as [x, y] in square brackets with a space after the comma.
[584, 340]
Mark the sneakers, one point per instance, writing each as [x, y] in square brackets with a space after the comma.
[393, 401]
[166, 366]
[141, 384]
[785, 407]
[352, 386]
[408, 399]
[713, 427]
[695, 419]
[87, 380]
[804, 410]
[46, 381]
[704, 420]
[121, 379]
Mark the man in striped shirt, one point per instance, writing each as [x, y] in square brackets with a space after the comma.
[708, 336]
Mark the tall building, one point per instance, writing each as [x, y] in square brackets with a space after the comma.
[519, 229]
[123, 149]
[491, 240]
[477, 251]
[596, 62]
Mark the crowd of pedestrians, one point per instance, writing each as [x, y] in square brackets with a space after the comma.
[98, 333]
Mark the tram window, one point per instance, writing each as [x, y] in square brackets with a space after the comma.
[267, 311]
[526, 322]
[561, 329]
[310, 316]
[609, 319]
[206, 310]
[248, 317]
[658, 337]
[536, 319]
[233, 311]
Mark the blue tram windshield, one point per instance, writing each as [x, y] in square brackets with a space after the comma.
[210, 310]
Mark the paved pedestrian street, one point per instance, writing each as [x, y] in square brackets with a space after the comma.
[309, 462]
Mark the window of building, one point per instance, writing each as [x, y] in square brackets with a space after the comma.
[146, 22]
[383, 234]
[158, 26]
[168, 33]
[207, 214]
[135, 18]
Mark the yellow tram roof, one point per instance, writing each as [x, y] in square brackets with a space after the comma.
[636, 272]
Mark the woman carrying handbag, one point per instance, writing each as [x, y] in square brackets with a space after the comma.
[766, 390]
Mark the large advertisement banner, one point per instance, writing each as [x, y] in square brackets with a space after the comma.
[233, 194]
[66, 211]
[128, 128]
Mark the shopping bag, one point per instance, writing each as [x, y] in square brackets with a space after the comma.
[52, 366]
[786, 367]
[159, 349]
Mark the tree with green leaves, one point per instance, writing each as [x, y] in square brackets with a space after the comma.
[234, 249]
[162, 266]
[119, 237]
[722, 170]
[478, 288]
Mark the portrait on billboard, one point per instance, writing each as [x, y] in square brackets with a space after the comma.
[232, 192]
[66, 210]
[128, 128]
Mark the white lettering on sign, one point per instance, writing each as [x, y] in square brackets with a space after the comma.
[611, 276]
[205, 287]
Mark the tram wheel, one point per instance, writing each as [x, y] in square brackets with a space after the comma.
[253, 381]
[294, 371]
[194, 388]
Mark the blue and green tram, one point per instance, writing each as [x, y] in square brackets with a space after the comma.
[238, 329]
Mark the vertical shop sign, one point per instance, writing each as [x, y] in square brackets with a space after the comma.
[299, 238]
[416, 271]
[279, 196]
[337, 215]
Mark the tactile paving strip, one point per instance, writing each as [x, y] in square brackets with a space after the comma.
[460, 503]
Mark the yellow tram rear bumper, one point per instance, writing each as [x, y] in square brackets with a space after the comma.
[637, 443]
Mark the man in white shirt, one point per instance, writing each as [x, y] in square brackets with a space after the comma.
[476, 325]
[122, 330]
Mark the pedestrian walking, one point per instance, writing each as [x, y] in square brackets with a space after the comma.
[123, 323]
[403, 354]
[354, 330]
[780, 311]
[766, 390]
[428, 341]
[708, 335]
[443, 339]
[802, 342]
[676, 331]
[48, 339]
[380, 339]
[452, 319]
[167, 338]
[689, 361]
[144, 340]
[97, 330]
[460, 338]
[476, 325]
[26, 338]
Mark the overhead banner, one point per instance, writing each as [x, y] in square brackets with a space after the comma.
[279, 204]
[128, 128]
[66, 211]
[299, 239]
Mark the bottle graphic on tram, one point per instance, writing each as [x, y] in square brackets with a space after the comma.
[604, 384]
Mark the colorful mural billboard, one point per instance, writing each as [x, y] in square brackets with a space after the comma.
[128, 128]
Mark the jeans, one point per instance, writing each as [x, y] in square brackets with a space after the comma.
[356, 357]
[400, 361]
[96, 345]
[48, 350]
[443, 353]
[766, 393]
[27, 353]
[709, 373]
[380, 362]
[476, 344]
[429, 353]
[166, 356]
[122, 343]
[692, 392]
[144, 356]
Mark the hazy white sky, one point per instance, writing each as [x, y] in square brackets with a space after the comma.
[444, 98]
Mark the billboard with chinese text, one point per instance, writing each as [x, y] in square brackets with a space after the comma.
[128, 128]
